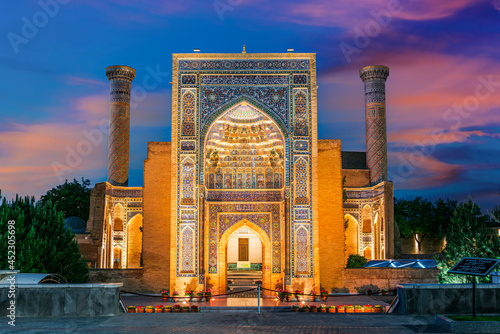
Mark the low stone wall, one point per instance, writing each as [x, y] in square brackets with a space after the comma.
[358, 280]
[416, 299]
[59, 300]
[130, 278]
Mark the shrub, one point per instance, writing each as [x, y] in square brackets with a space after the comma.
[356, 261]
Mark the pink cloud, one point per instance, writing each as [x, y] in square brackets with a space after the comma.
[346, 14]
[434, 136]
[40, 156]
[411, 170]
[422, 90]
[33, 160]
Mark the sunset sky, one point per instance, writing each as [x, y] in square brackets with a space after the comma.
[443, 92]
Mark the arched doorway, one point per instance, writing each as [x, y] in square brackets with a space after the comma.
[351, 236]
[244, 262]
[224, 248]
[134, 242]
[117, 257]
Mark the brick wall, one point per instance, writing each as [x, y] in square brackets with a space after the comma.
[387, 278]
[331, 223]
[157, 209]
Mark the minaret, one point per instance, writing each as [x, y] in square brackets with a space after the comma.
[374, 78]
[120, 78]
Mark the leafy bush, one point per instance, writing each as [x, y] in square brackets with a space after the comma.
[356, 261]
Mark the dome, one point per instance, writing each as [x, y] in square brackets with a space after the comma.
[75, 225]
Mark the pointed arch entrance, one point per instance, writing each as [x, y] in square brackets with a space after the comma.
[223, 253]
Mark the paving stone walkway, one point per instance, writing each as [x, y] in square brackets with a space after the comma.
[229, 323]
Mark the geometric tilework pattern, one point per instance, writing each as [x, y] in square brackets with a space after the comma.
[187, 183]
[301, 252]
[244, 80]
[244, 196]
[188, 145]
[188, 79]
[187, 250]
[301, 179]
[275, 98]
[300, 79]
[244, 64]
[301, 119]
[188, 114]
[301, 146]
[301, 214]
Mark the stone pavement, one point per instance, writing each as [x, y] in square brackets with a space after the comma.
[230, 322]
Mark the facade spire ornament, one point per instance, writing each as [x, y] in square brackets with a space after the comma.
[244, 49]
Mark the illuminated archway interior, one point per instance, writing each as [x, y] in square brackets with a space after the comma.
[244, 251]
[244, 150]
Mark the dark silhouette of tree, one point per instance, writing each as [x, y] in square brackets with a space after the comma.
[42, 244]
[71, 198]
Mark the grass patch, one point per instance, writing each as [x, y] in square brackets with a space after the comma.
[469, 318]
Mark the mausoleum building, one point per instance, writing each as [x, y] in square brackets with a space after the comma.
[245, 183]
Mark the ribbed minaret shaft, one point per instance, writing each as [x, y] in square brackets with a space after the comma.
[120, 79]
[374, 78]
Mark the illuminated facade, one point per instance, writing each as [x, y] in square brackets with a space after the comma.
[244, 168]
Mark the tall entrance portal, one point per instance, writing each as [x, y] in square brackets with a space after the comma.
[243, 139]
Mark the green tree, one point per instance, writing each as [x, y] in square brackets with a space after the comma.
[42, 244]
[71, 198]
[356, 261]
[467, 235]
[422, 219]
